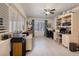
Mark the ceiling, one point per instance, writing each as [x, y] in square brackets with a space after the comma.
[37, 9]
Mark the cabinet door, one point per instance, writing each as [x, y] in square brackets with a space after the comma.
[65, 40]
[29, 42]
[17, 49]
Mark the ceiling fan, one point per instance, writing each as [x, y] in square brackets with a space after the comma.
[49, 11]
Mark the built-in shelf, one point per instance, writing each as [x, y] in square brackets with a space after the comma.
[63, 22]
[64, 26]
[69, 21]
[2, 31]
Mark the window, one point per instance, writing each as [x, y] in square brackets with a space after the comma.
[39, 25]
[12, 21]
[16, 22]
[20, 23]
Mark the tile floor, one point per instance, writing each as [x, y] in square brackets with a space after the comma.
[48, 47]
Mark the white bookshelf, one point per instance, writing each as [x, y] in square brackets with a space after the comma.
[3, 29]
[73, 18]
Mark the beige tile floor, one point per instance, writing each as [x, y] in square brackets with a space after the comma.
[48, 47]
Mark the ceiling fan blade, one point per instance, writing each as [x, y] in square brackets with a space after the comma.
[52, 10]
[45, 10]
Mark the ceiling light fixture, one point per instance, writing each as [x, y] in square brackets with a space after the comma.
[47, 12]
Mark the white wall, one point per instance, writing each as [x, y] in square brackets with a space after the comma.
[52, 22]
[19, 7]
[76, 9]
